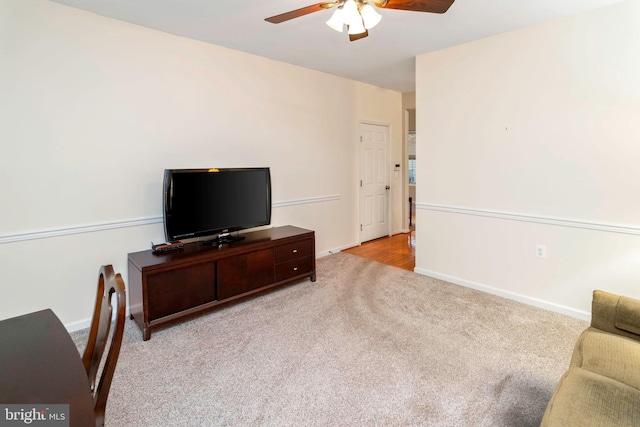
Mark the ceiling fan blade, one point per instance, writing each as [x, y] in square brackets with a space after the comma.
[354, 37]
[433, 6]
[299, 12]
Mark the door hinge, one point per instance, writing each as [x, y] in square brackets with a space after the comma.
[360, 138]
[360, 227]
[360, 183]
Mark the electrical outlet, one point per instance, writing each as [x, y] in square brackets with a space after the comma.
[541, 251]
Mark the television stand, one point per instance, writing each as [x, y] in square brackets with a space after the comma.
[223, 238]
[168, 287]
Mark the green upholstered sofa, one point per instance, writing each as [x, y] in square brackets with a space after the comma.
[602, 385]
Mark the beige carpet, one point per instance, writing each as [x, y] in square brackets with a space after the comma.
[365, 345]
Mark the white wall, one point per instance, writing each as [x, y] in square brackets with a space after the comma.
[91, 112]
[531, 137]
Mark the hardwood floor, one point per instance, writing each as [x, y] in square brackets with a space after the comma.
[398, 250]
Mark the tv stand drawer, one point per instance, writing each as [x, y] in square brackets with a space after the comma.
[291, 251]
[296, 267]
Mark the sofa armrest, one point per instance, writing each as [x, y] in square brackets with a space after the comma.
[616, 314]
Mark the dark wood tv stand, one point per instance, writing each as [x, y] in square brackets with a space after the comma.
[165, 288]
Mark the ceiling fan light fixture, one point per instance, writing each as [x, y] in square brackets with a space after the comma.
[350, 14]
[360, 15]
[370, 17]
[336, 21]
[357, 27]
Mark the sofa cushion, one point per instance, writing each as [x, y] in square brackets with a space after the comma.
[613, 356]
[627, 317]
[616, 314]
[584, 398]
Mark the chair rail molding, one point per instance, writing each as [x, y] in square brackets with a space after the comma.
[76, 229]
[136, 222]
[539, 219]
[306, 201]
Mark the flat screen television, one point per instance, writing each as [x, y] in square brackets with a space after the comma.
[210, 202]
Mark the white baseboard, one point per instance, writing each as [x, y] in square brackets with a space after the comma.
[86, 323]
[401, 231]
[578, 314]
[546, 305]
[335, 250]
[78, 325]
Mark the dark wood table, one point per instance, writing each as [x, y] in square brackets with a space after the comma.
[40, 364]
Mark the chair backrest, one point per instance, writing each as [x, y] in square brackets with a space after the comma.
[109, 284]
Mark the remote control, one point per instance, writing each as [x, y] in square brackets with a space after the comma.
[166, 247]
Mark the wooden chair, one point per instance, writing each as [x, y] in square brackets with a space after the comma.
[109, 284]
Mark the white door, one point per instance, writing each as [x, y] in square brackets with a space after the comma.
[374, 181]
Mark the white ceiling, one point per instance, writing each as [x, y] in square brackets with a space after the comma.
[386, 58]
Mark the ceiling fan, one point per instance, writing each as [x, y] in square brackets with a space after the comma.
[359, 15]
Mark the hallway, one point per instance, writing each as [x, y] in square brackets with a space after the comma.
[397, 250]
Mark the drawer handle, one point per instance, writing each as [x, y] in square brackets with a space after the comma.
[295, 268]
[295, 251]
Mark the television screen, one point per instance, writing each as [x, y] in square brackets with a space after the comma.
[205, 202]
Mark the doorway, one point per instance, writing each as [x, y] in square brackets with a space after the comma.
[411, 166]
